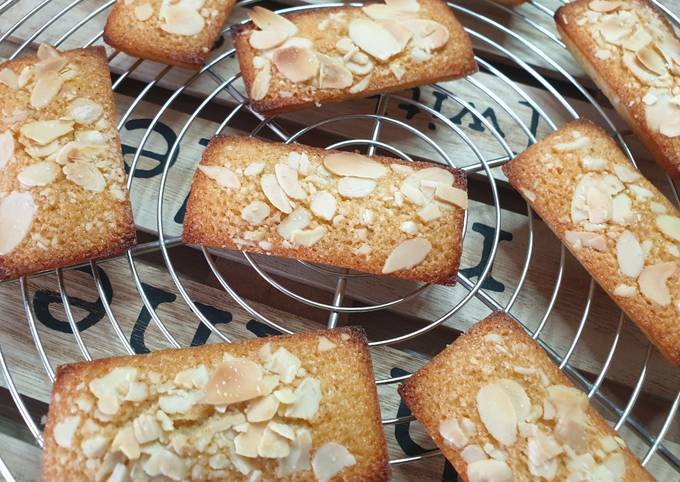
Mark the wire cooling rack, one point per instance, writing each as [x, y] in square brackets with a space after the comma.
[378, 120]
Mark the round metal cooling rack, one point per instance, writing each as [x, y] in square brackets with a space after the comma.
[376, 121]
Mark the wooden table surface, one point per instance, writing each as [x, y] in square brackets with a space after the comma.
[523, 66]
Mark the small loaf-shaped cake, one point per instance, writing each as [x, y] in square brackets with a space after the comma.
[63, 197]
[632, 53]
[301, 407]
[179, 32]
[616, 223]
[501, 411]
[333, 54]
[377, 215]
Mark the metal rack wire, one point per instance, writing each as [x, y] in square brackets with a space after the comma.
[378, 120]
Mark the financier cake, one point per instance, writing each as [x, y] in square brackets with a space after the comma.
[63, 197]
[301, 407]
[378, 215]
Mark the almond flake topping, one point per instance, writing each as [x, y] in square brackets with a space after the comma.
[85, 111]
[46, 88]
[143, 12]
[669, 225]
[452, 433]
[330, 460]
[325, 344]
[374, 39]
[267, 39]
[261, 84]
[255, 213]
[489, 470]
[17, 211]
[223, 176]
[653, 281]
[275, 194]
[182, 19]
[355, 165]
[332, 73]
[407, 255]
[497, 412]
[605, 6]
[268, 20]
[307, 237]
[629, 254]
[354, 187]
[451, 195]
[234, 381]
[288, 180]
[9, 78]
[44, 132]
[6, 148]
[583, 239]
[295, 221]
[297, 64]
[323, 205]
[65, 430]
[85, 175]
[427, 34]
[39, 174]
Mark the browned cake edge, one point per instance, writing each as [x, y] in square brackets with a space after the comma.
[379, 471]
[120, 245]
[281, 105]
[409, 390]
[663, 155]
[193, 216]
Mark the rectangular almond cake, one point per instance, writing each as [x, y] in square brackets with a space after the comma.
[501, 411]
[301, 407]
[63, 196]
[377, 215]
[179, 32]
[612, 219]
[332, 54]
[632, 53]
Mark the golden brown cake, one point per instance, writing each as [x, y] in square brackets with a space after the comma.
[501, 411]
[301, 407]
[377, 215]
[613, 220]
[180, 32]
[63, 197]
[632, 53]
[333, 54]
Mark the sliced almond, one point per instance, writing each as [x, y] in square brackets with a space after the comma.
[398, 30]
[605, 6]
[223, 176]
[332, 73]
[452, 433]
[651, 60]
[354, 165]
[39, 174]
[275, 195]
[44, 132]
[330, 459]
[323, 205]
[622, 210]
[46, 88]
[9, 78]
[85, 111]
[143, 12]
[255, 213]
[652, 282]
[643, 75]
[297, 64]
[17, 211]
[288, 180]
[407, 254]
[295, 221]
[325, 344]
[629, 254]
[613, 30]
[263, 409]
[268, 20]
[592, 163]
[429, 213]
[669, 225]
[625, 173]
[664, 116]
[625, 291]
[497, 412]
[85, 175]
[253, 169]
[65, 430]
[267, 39]
[489, 470]
[374, 39]
[182, 20]
[599, 205]
[307, 237]
[298, 459]
[452, 195]
[273, 445]
[518, 396]
[380, 11]
[307, 398]
[434, 174]
[583, 239]
[637, 41]
[354, 187]
[6, 148]
[261, 83]
[427, 34]
[246, 443]
[411, 6]
[413, 194]
[233, 381]
[578, 142]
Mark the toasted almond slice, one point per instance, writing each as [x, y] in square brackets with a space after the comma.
[308, 237]
[578, 142]
[518, 396]
[622, 210]
[354, 187]
[297, 220]
[629, 253]
[669, 225]
[404, 5]
[625, 291]
[669, 47]
[625, 173]
[46, 88]
[354, 165]
[651, 60]
[330, 459]
[275, 194]
[434, 174]
[9, 78]
[288, 180]
[236, 380]
[39, 174]
[143, 12]
[361, 85]
[497, 412]
[599, 205]
[17, 211]
[6, 148]
[605, 6]
[380, 11]
[452, 195]
[267, 39]
[636, 41]
[44, 132]
[261, 84]
[452, 433]
[412, 193]
[430, 212]
[653, 282]
[323, 205]
[643, 75]
[473, 453]
[374, 39]
[268, 20]
[613, 30]
[332, 73]
[407, 255]
[182, 20]
[262, 409]
[91, 138]
[255, 213]
[246, 443]
[85, 175]
[297, 64]
[272, 445]
[223, 176]
[582, 239]
[397, 29]
[85, 111]
[427, 34]
[489, 470]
